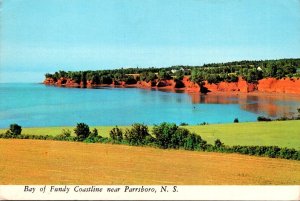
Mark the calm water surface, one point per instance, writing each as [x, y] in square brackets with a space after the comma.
[38, 105]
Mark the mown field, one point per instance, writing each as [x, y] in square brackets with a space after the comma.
[58, 162]
[279, 133]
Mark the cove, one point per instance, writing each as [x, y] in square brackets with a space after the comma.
[37, 105]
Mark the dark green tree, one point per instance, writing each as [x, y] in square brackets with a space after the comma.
[163, 74]
[179, 74]
[14, 129]
[116, 134]
[137, 134]
[197, 76]
[163, 134]
[82, 131]
[48, 75]
[130, 80]
[150, 77]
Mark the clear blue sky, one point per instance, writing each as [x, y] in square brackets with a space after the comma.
[40, 36]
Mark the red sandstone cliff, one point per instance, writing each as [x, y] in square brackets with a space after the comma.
[287, 85]
[49, 81]
[241, 85]
[190, 86]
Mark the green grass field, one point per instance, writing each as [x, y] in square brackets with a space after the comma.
[279, 133]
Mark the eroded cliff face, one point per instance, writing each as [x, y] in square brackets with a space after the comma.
[241, 86]
[270, 85]
[144, 84]
[172, 84]
[287, 85]
[190, 86]
[49, 81]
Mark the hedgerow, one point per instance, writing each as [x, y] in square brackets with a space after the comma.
[164, 136]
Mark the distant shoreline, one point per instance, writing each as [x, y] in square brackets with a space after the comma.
[279, 76]
[268, 86]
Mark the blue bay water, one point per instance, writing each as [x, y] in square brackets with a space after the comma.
[35, 105]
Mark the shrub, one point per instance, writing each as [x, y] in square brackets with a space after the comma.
[209, 147]
[64, 136]
[287, 153]
[284, 118]
[104, 140]
[236, 120]
[184, 124]
[93, 134]
[296, 155]
[194, 142]
[66, 132]
[218, 143]
[49, 137]
[272, 152]
[6, 135]
[171, 136]
[261, 118]
[25, 136]
[82, 131]
[137, 134]
[93, 137]
[116, 134]
[178, 139]
[203, 123]
[150, 141]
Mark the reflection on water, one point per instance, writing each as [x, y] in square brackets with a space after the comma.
[273, 105]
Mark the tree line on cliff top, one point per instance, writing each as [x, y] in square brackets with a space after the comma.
[164, 136]
[251, 71]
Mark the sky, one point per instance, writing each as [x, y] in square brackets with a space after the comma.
[44, 36]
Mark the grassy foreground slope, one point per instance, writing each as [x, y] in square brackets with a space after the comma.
[56, 162]
[279, 133]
